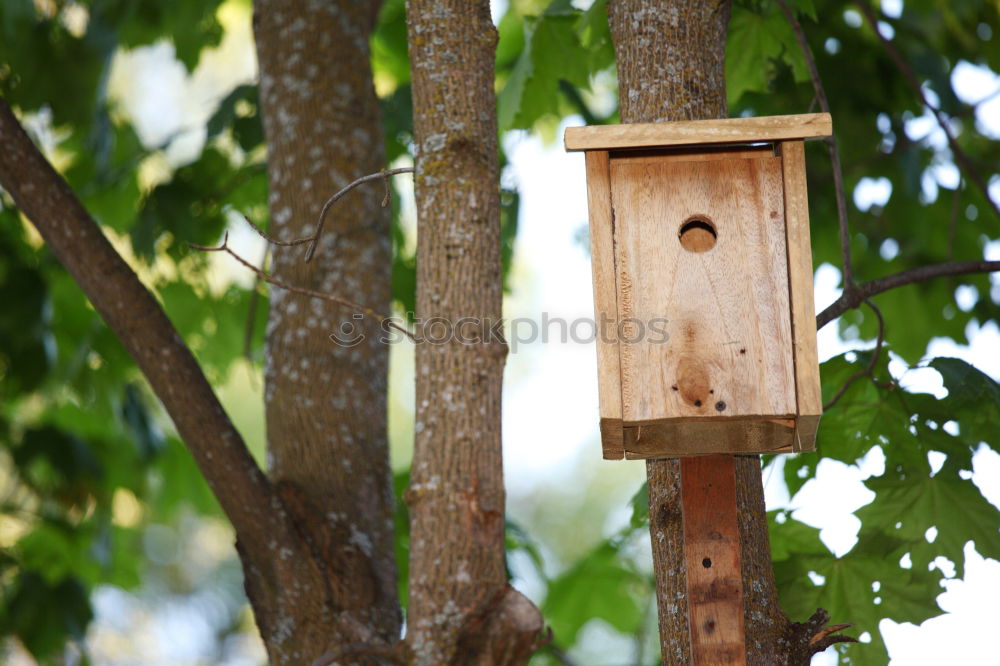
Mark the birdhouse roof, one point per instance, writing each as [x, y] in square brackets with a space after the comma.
[699, 132]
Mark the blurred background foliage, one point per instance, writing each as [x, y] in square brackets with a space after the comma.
[102, 510]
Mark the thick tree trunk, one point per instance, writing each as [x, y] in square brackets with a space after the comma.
[671, 66]
[326, 402]
[461, 610]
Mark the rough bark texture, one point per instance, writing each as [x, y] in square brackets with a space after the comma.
[326, 402]
[671, 66]
[461, 610]
[277, 560]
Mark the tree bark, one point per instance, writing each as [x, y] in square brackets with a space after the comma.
[277, 560]
[326, 402]
[461, 610]
[671, 66]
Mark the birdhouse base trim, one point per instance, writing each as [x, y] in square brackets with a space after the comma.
[692, 437]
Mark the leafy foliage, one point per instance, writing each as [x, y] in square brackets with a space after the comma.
[78, 426]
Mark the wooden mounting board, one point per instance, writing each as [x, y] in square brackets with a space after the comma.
[712, 560]
[694, 132]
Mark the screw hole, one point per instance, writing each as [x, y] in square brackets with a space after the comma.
[707, 563]
[697, 234]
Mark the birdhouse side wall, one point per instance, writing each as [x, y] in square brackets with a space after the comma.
[800, 289]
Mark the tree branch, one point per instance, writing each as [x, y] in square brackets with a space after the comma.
[831, 144]
[383, 174]
[867, 372]
[960, 156]
[852, 299]
[270, 279]
[137, 319]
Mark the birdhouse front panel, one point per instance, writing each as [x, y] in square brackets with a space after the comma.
[700, 255]
[703, 285]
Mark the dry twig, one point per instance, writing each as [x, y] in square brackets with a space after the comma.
[831, 143]
[383, 174]
[270, 279]
[867, 372]
[852, 299]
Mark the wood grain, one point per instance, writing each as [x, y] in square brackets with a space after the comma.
[800, 288]
[605, 297]
[728, 349]
[612, 439]
[675, 440]
[732, 130]
[712, 557]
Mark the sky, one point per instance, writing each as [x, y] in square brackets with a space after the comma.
[550, 394]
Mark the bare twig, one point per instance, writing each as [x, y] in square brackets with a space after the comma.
[867, 372]
[383, 174]
[819, 636]
[960, 156]
[953, 221]
[270, 279]
[252, 310]
[560, 656]
[823, 633]
[831, 144]
[852, 299]
[275, 241]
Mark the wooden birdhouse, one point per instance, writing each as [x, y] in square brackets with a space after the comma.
[703, 287]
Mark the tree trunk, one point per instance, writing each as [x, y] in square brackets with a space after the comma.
[326, 402]
[671, 66]
[461, 610]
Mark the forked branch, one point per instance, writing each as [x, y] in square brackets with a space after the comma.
[853, 298]
[870, 369]
[270, 279]
[383, 174]
[854, 294]
[313, 240]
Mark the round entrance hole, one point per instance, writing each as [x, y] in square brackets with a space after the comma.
[698, 235]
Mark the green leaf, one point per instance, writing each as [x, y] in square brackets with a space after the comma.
[845, 588]
[908, 502]
[44, 615]
[179, 484]
[640, 507]
[791, 538]
[756, 42]
[973, 398]
[601, 586]
[518, 539]
[58, 551]
[866, 415]
[552, 52]
[390, 59]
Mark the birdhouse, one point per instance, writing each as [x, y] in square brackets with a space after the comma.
[703, 287]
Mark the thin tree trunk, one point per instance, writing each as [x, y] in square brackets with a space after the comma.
[461, 610]
[326, 402]
[671, 66]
